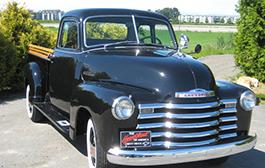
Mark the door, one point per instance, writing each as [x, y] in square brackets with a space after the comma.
[62, 67]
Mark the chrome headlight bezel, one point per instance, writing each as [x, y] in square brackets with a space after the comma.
[248, 100]
[117, 108]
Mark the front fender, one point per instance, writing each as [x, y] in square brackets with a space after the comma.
[97, 98]
[34, 79]
[229, 90]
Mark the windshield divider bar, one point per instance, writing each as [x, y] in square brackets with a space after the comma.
[135, 29]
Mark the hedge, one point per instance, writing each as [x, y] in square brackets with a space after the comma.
[250, 39]
[19, 30]
[7, 62]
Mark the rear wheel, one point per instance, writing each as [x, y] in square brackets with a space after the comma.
[95, 153]
[32, 112]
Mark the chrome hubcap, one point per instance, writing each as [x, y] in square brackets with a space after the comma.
[91, 145]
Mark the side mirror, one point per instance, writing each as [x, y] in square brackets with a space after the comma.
[184, 41]
[198, 48]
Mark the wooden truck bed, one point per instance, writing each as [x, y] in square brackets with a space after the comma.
[39, 51]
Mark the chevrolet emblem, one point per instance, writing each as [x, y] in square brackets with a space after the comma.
[196, 93]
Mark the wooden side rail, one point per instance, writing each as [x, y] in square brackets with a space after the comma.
[39, 51]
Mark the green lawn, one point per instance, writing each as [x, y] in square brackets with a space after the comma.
[48, 21]
[53, 29]
[212, 43]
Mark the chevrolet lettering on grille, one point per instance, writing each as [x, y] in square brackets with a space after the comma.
[196, 93]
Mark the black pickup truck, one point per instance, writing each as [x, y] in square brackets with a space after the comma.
[120, 78]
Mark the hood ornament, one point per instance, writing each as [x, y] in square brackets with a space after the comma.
[196, 93]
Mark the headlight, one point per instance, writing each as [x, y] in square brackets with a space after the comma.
[122, 108]
[248, 100]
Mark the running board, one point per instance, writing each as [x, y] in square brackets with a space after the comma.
[60, 121]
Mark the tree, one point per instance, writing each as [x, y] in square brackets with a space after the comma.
[18, 28]
[7, 61]
[229, 21]
[222, 20]
[197, 20]
[171, 13]
[206, 20]
[250, 39]
[217, 19]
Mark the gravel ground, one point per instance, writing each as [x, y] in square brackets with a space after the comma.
[24, 144]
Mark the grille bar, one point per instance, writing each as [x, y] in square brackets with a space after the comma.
[228, 110]
[225, 136]
[228, 127]
[184, 135]
[229, 102]
[179, 116]
[228, 119]
[179, 106]
[177, 126]
[169, 144]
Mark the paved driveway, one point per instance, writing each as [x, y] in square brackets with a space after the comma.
[222, 66]
[24, 144]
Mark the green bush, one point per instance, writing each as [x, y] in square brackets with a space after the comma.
[250, 39]
[18, 28]
[7, 61]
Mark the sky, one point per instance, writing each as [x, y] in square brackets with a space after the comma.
[194, 7]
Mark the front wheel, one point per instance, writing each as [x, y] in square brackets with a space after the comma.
[97, 157]
[32, 112]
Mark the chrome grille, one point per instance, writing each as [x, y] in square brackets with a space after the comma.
[186, 125]
[228, 119]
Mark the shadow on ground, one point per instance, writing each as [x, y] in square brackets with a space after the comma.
[6, 96]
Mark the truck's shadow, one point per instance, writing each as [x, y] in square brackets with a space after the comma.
[7, 96]
[253, 158]
[79, 143]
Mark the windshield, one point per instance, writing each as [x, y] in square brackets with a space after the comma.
[116, 29]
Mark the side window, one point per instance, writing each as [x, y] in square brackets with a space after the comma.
[144, 33]
[163, 35]
[69, 35]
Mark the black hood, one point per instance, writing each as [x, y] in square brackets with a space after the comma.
[162, 71]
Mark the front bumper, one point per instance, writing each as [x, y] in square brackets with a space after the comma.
[165, 157]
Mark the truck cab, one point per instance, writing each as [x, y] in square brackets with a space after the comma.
[119, 77]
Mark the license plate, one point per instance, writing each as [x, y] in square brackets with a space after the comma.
[134, 139]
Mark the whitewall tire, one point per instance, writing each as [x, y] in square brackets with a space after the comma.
[29, 105]
[91, 145]
[32, 112]
[95, 153]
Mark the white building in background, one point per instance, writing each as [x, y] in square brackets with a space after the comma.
[207, 19]
[48, 15]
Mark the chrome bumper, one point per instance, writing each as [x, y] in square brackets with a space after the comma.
[165, 157]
